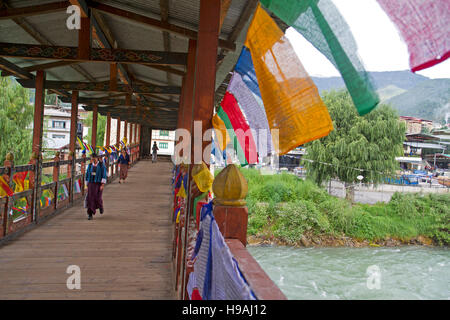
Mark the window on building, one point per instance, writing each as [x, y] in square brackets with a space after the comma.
[58, 124]
[164, 133]
[163, 145]
[58, 136]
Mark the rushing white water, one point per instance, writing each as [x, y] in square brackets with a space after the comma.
[409, 272]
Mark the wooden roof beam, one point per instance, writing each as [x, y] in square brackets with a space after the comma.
[13, 69]
[123, 102]
[96, 55]
[41, 39]
[161, 25]
[102, 86]
[14, 13]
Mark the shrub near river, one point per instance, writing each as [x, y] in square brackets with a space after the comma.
[287, 210]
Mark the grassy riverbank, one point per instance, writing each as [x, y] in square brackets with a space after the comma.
[287, 210]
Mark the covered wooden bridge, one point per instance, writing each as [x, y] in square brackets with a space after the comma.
[148, 65]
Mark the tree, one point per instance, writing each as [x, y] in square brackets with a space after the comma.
[50, 98]
[16, 115]
[101, 128]
[369, 142]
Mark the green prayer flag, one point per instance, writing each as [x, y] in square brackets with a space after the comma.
[320, 22]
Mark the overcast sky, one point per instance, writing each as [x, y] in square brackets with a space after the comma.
[379, 43]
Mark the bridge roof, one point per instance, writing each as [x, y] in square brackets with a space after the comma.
[136, 25]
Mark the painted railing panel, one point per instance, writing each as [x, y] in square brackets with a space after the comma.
[63, 191]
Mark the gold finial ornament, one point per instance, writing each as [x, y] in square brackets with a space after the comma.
[10, 156]
[230, 187]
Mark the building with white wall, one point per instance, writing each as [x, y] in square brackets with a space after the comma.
[57, 127]
[165, 140]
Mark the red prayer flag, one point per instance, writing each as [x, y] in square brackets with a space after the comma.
[4, 185]
[424, 26]
[240, 126]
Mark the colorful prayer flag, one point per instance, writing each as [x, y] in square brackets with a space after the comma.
[240, 126]
[19, 180]
[254, 113]
[321, 23]
[81, 143]
[291, 100]
[5, 190]
[203, 178]
[182, 191]
[424, 26]
[222, 136]
[237, 146]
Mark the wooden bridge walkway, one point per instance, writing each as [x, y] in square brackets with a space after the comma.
[123, 254]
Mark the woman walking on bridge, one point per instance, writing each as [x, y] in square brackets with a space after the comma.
[155, 152]
[96, 179]
[124, 163]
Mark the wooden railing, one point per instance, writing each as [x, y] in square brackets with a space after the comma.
[63, 190]
[232, 221]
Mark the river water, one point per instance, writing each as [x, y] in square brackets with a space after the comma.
[409, 272]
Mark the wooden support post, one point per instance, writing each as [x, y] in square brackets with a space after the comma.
[83, 172]
[56, 159]
[9, 164]
[84, 39]
[139, 140]
[203, 100]
[205, 72]
[108, 138]
[72, 144]
[113, 76]
[135, 142]
[35, 177]
[38, 112]
[73, 130]
[131, 133]
[125, 130]
[135, 133]
[190, 84]
[119, 123]
[131, 143]
[185, 111]
[94, 127]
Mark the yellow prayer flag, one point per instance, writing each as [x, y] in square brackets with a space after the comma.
[291, 100]
[182, 191]
[203, 178]
[221, 132]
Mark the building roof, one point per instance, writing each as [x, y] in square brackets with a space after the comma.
[414, 119]
[409, 159]
[420, 137]
[56, 113]
[133, 34]
[423, 145]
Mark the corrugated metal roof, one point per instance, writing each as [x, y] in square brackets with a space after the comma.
[424, 145]
[51, 29]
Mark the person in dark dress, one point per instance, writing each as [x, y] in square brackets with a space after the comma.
[124, 163]
[96, 179]
[154, 152]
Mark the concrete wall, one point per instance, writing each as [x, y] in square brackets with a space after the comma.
[381, 193]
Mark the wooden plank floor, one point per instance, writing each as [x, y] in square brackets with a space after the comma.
[123, 254]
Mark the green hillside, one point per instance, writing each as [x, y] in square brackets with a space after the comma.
[429, 99]
[401, 79]
[389, 92]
